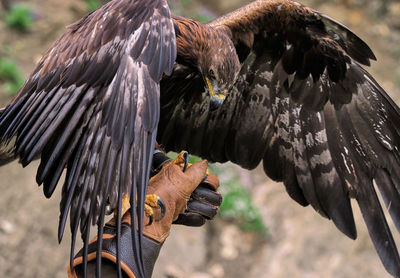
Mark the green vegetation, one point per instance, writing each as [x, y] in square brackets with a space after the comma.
[237, 202]
[397, 80]
[92, 5]
[190, 9]
[203, 18]
[19, 17]
[396, 52]
[10, 76]
[186, 3]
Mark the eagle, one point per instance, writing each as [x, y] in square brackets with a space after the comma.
[273, 82]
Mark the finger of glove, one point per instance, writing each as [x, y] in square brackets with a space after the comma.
[170, 172]
[206, 195]
[195, 173]
[206, 210]
[190, 219]
[212, 181]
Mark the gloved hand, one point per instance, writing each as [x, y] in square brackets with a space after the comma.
[175, 187]
[204, 202]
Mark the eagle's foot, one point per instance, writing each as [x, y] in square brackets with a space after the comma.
[125, 206]
[153, 201]
[183, 161]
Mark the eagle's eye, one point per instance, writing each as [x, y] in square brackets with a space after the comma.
[211, 73]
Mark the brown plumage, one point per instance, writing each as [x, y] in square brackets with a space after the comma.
[273, 82]
[202, 48]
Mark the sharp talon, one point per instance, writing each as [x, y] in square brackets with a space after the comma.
[149, 213]
[151, 219]
[161, 204]
[205, 176]
[185, 161]
[153, 201]
[182, 159]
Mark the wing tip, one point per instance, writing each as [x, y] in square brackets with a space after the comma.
[356, 47]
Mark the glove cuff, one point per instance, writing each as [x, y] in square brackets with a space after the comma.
[151, 250]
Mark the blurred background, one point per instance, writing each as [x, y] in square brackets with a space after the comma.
[260, 231]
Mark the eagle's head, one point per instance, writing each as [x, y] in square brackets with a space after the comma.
[211, 53]
[219, 66]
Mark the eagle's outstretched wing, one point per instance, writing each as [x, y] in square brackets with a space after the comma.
[92, 106]
[302, 105]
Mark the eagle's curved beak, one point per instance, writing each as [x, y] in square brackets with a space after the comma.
[217, 96]
[216, 101]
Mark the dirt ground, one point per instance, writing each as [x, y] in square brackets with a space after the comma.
[300, 244]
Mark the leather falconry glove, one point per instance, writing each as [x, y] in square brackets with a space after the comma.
[175, 187]
[203, 204]
[205, 200]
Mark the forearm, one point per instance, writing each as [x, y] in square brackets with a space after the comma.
[151, 250]
[175, 185]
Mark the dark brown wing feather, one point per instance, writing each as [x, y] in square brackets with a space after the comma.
[302, 105]
[92, 106]
[314, 41]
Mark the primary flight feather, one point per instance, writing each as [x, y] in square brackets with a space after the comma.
[274, 81]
